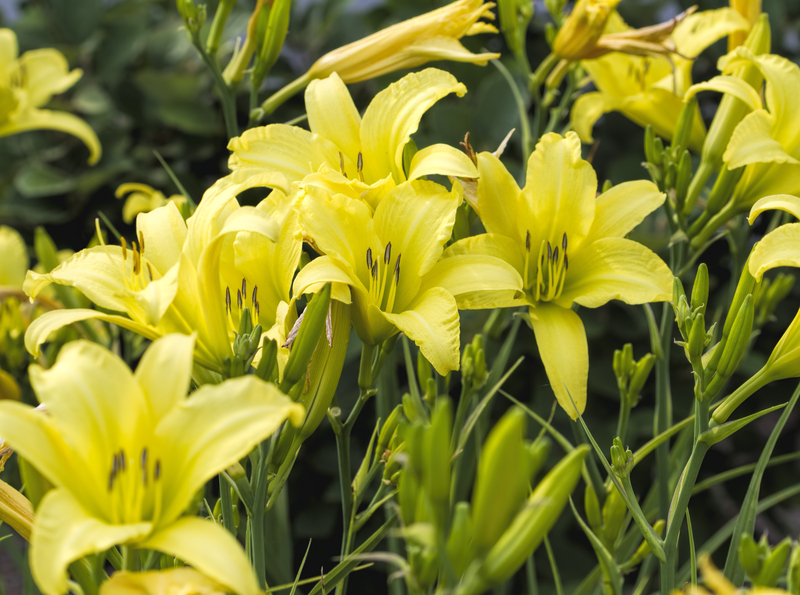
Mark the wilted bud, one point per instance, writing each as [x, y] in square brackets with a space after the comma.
[621, 459]
[750, 556]
[311, 327]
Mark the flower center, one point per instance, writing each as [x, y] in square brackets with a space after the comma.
[544, 277]
[383, 281]
[249, 311]
[134, 490]
[359, 166]
[138, 277]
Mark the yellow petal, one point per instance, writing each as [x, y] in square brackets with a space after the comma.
[162, 582]
[14, 263]
[587, 109]
[476, 281]
[779, 248]
[46, 74]
[320, 271]
[731, 85]
[447, 48]
[164, 372]
[623, 207]
[8, 52]
[564, 352]
[38, 119]
[489, 244]
[699, 30]
[333, 115]
[394, 115]
[443, 160]
[431, 321]
[752, 142]
[164, 232]
[210, 549]
[63, 533]
[783, 202]
[213, 429]
[616, 269]
[498, 197]
[559, 193]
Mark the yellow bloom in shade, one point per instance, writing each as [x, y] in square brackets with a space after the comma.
[578, 36]
[178, 581]
[184, 277]
[567, 248]
[647, 89]
[718, 584]
[385, 258]
[142, 198]
[14, 263]
[345, 153]
[28, 82]
[126, 453]
[431, 36]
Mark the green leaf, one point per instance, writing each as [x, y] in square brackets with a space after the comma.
[35, 180]
[611, 573]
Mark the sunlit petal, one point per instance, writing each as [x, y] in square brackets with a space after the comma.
[443, 160]
[752, 142]
[333, 115]
[164, 232]
[164, 372]
[46, 74]
[783, 202]
[779, 248]
[39, 119]
[476, 281]
[623, 207]
[14, 263]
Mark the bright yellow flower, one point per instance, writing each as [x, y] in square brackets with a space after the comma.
[27, 83]
[385, 258]
[126, 453]
[178, 581]
[577, 38]
[367, 152]
[143, 199]
[14, 263]
[185, 279]
[650, 90]
[567, 247]
[718, 584]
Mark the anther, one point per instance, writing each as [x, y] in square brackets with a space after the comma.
[555, 255]
[122, 459]
[369, 258]
[375, 269]
[149, 271]
[111, 477]
[144, 466]
[124, 248]
[141, 242]
[157, 470]
[257, 308]
[244, 286]
[528, 241]
[227, 300]
[566, 261]
[564, 242]
[387, 254]
[255, 294]
[360, 166]
[239, 299]
[549, 252]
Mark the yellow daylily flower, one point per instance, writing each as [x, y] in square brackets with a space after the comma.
[412, 224]
[717, 584]
[179, 278]
[14, 263]
[408, 44]
[578, 36]
[750, 10]
[142, 198]
[126, 453]
[647, 89]
[28, 82]
[566, 246]
[367, 152]
[177, 581]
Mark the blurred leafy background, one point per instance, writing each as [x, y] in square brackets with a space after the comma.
[146, 91]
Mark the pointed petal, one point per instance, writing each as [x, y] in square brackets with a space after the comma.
[217, 426]
[431, 321]
[701, 29]
[394, 115]
[15, 261]
[731, 85]
[210, 549]
[63, 533]
[616, 269]
[587, 109]
[476, 281]
[498, 197]
[45, 325]
[319, 271]
[489, 244]
[38, 119]
[164, 372]
[559, 193]
[779, 248]
[783, 202]
[443, 160]
[8, 51]
[624, 207]
[333, 115]
[417, 218]
[752, 142]
[160, 582]
[289, 150]
[564, 351]
[46, 74]
[164, 232]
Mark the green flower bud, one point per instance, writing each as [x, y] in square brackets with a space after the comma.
[614, 513]
[735, 346]
[311, 327]
[193, 17]
[267, 368]
[388, 430]
[683, 127]
[793, 574]
[677, 292]
[538, 451]
[460, 548]
[423, 370]
[591, 506]
[607, 185]
[700, 290]
[640, 375]
[658, 145]
[682, 180]
[412, 409]
[750, 556]
[501, 482]
[650, 146]
[697, 339]
[744, 288]
[621, 459]
[514, 18]
[772, 568]
[407, 492]
[773, 292]
[272, 42]
[436, 460]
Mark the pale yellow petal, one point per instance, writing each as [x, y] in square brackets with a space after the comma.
[752, 142]
[333, 115]
[498, 197]
[783, 202]
[164, 232]
[616, 269]
[443, 160]
[432, 322]
[319, 271]
[8, 51]
[46, 74]
[587, 109]
[164, 372]
[699, 30]
[210, 549]
[394, 115]
[63, 533]
[14, 263]
[623, 207]
[779, 248]
[564, 352]
[161, 582]
[731, 85]
[489, 244]
[476, 281]
[38, 119]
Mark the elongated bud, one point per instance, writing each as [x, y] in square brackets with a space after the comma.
[735, 346]
[768, 299]
[614, 514]
[514, 18]
[750, 556]
[312, 326]
[650, 146]
[387, 431]
[772, 568]
[272, 42]
[538, 451]
[683, 127]
[460, 548]
[533, 521]
[193, 17]
[682, 180]
[644, 549]
[436, 460]
[619, 369]
[793, 573]
[591, 505]
[502, 481]
[423, 370]
[407, 491]
[639, 377]
[744, 288]
[621, 458]
[677, 292]
[697, 338]
[267, 368]
[700, 290]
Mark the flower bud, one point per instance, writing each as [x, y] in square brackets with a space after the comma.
[793, 573]
[193, 17]
[644, 549]
[538, 451]
[312, 327]
[650, 146]
[514, 18]
[735, 346]
[683, 127]
[460, 548]
[772, 569]
[577, 38]
[436, 460]
[750, 556]
[682, 180]
[388, 430]
[697, 339]
[744, 288]
[621, 459]
[591, 506]
[700, 290]
[640, 375]
[773, 292]
[614, 513]
[272, 41]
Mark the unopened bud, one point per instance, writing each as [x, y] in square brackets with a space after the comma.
[538, 451]
[772, 568]
[750, 556]
[700, 290]
[793, 573]
[697, 339]
[621, 459]
[591, 506]
[735, 346]
[272, 42]
[683, 127]
[460, 548]
[639, 377]
[312, 326]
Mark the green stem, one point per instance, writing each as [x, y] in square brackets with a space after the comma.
[225, 94]
[218, 25]
[275, 100]
[714, 223]
[266, 451]
[130, 558]
[624, 416]
[663, 416]
[557, 114]
[737, 397]
[227, 505]
[527, 141]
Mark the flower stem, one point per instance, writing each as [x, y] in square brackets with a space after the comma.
[227, 505]
[275, 100]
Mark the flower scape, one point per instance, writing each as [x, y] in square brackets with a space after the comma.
[266, 268]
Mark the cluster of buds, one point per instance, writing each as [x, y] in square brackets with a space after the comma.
[631, 375]
[473, 364]
[194, 17]
[621, 459]
[764, 564]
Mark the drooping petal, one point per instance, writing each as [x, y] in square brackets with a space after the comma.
[164, 372]
[559, 193]
[161, 582]
[498, 197]
[563, 349]
[164, 232]
[394, 115]
[46, 74]
[214, 428]
[320, 271]
[14, 263]
[209, 548]
[476, 281]
[731, 85]
[333, 115]
[8, 51]
[623, 207]
[39, 119]
[783, 202]
[779, 248]
[489, 244]
[432, 322]
[616, 269]
[701, 29]
[443, 160]
[63, 533]
[49, 322]
[587, 109]
[752, 142]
